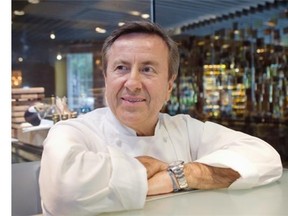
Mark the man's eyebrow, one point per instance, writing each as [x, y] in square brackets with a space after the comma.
[150, 63]
[119, 61]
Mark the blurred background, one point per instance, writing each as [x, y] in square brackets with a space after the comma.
[233, 70]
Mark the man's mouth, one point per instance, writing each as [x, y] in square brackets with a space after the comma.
[133, 100]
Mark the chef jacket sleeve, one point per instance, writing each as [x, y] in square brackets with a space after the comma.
[257, 162]
[81, 175]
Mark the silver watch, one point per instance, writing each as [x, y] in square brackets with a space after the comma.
[177, 168]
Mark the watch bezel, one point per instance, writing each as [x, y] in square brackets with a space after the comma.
[176, 163]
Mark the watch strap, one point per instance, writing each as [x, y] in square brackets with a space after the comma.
[178, 170]
[174, 181]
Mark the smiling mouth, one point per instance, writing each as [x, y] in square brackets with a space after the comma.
[133, 100]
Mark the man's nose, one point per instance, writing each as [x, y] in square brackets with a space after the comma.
[133, 82]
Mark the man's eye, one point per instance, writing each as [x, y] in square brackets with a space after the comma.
[147, 70]
[122, 68]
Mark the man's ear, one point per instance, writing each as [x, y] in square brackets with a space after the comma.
[170, 86]
[171, 82]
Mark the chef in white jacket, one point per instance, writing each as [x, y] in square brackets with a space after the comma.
[112, 158]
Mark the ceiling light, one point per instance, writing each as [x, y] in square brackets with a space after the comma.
[34, 1]
[135, 13]
[100, 30]
[52, 36]
[121, 23]
[145, 16]
[59, 56]
[19, 12]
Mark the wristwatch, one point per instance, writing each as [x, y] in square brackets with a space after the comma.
[177, 168]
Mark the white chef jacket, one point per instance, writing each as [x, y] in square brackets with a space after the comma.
[88, 163]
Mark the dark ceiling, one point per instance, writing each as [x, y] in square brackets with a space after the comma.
[74, 22]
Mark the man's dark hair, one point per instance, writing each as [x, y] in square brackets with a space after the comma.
[147, 28]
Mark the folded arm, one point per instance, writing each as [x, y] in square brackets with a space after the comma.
[77, 179]
[198, 176]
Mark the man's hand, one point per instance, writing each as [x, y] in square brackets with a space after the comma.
[152, 165]
[198, 176]
[202, 176]
[159, 181]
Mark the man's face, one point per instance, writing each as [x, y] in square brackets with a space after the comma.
[136, 81]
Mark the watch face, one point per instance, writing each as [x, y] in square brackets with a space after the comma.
[176, 163]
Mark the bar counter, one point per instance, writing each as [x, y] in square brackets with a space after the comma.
[271, 199]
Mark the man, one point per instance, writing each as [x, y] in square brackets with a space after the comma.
[111, 158]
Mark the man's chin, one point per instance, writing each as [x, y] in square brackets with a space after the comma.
[131, 118]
